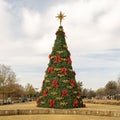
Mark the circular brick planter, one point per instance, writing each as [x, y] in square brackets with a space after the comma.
[60, 111]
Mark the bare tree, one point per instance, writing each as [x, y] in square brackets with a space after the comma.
[88, 93]
[91, 93]
[15, 90]
[100, 93]
[7, 76]
[111, 88]
[118, 85]
[84, 93]
[30, 90]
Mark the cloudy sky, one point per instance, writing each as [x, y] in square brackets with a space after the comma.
[27, 34]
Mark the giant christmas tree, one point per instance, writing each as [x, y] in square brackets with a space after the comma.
[59, 89]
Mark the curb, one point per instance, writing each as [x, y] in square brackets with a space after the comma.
[59, 111]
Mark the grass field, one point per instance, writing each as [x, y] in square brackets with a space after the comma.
[56, 117]
[96, 101]
[32, 105]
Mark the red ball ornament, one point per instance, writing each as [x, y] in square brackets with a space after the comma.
[50, 69]
[52, 103]
[69, 61]
[55, 83]
[72, 82]
[45, 93]
[57, 59]
[64, 93]
[75, 103]
[64, 70]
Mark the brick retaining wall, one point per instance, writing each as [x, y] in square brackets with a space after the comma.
[59, 111]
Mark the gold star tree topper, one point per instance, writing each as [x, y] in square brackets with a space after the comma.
[60, 16]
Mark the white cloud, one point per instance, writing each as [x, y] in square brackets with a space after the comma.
[31, 23]
[91, 26]
[110, 21]
[5, 21]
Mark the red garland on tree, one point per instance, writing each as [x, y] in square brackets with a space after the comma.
[52, 103]
[69, 61]
[64, 70]
[57, 59]
[56, 33]
[50, 69]
[64, 93]
[72, 82]
[45, 93]
[62, 32]
[55, 83]
[50, 56]
[75, 103]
